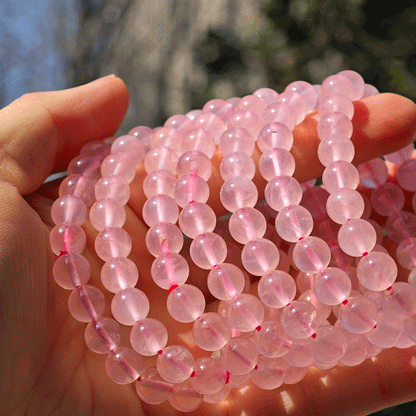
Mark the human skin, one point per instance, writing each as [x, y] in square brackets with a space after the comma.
[45, 367]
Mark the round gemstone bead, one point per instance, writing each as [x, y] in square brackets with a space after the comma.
[276, 162]
[336, 103]
[211, 331]
[277, 289]
[267, 94]
[167, 137]
[69, 209]
[245, 312]
[239, 356]
[161, 158]
[311, 254]
[340, 174]
[332, 286]
[103, 336]
[236, 139]
[170, 269]
[190, 188]
[387, 199]
[357, 82]
[357, 237]
[197, 218]
[358, 315]
[282, 191]
[148, 336]
[79, 186]
[406, 175]
[129, 306]
[185, 398]
[131, 146]
[119, 164]
[160, 208]
[219, 107]
[164, 237]
[306, 90]
[252, 103]
[247, 224]
[112, 242]
[107, 213]
[159, 182]
[300, 319]
[119, 273]
[185, 303]
[71, 270]
[260, 256]
[270, 373]
[334, 123]
[280, 112]
[143, 134]
[238, 192]
[175, 364]
[300, 354]
[151, 388]
[225, 281]
[67, 238]
[406, 253]
[344, 205]
[237, 164]
[373, 173]
[85, 165]
[209, 375]
[123, 365]
[272, 340]
[387, 331]
[113, 187]
[400, 301]
[275, 135]
[356, 349]
[208, 250]
[195, 163]
[293, 223]
[85, 303]
[335, 147]
[212, 124]
[330, 344]
[336, 84]
[200, 140]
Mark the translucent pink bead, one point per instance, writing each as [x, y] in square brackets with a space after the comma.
[332, 286]
[175, 363]
[80, 186]
[404, 341]
[400, 301]
[160, 208]
[212, 124]
[148, 336]
[296, 102]
[233, 101]
[85, 165]
[300, 319]
[282, 191]
[211, 331]
[369, 90]
[334, 123]
[190, 188]
[406, 175]
[271, 340]
[96, 148]
[336, 84]
[164, 237]
[239, 356]
[159, 182]
[276, 162]
[219, 107]
[300, 354]
[395, 225]
[340, 174]
[118, 274]
[209, 375]
[406, 253]
[344, 205]
[270, 373]
[387, 331]
[161, 158]
[323, 310]
[247, 120]
[276, 289]
[143, 134]
[185, 303]
[357, 82]
[373, 173]
[247, 224]
[86, 303]
[71, 270]
[238, 192]
[185, 398]
[179, 122]
[280, 112]
[274, 135]
[238, 380]
[357, 237]
[114, 187]
[193, 114]
[335, 147]
[304, 281]
[151, 388]
[129, 306]
[330, 344]
[306, 90]
[200, 140]
[236, 139]
[218, 397]
[119, 164]
[107, 213]
[252, 103]
[401, 155]
[112, 242]
[197, 218]
[124, 365]
[314, 200]
[293, 223]
[356, 351]
[295, 374]
[207, 250]
[69, 209]
[103, 336]
[260, 256]
[225, 281]
[336, 103]
[267, 94]
[237, 164]
[245, 312]
[170, 269]
[130, 146]
[196, 163]
[168, 137]
[311, 254]
[68, 239]
[358, 315]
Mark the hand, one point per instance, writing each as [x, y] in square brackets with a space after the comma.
[45, 367]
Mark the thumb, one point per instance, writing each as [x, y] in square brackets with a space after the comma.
[41, 132]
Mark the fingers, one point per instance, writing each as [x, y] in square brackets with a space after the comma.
[41, 132]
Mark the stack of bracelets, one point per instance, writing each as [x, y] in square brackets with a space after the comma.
[271, 338]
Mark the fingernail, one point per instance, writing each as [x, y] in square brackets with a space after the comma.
[101, 79]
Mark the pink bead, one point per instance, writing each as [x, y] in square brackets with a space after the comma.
[161, 158]
[406, 253]
[311, 254]
[196, 163]
[377, 271]
[211, 331]
[180, 123]
[209, 375]
[225, 281]
[245, 312]
[295, 374]
[238, 380]
[168, 137]
[334, 123]
[185, 303]
[274, 135]
[356, 351]
[400, 301]
[267, 94]
[212, 124]
[107, 213]
[197, 218]
[118, 274]
[332, 286]
[164, 237]
[239, 356]
[293, 223]
[159, 182]
[399, 226]
[300, 354]
[129, 306]
[404, 341]
[185, 398]
[143, 134]
[373, 173]
[280, 113]
[344, 205]
[387, 331]
[124, 365]
[336, 103]
[80, 186]
[401, 155]
[358, 315]
[335, 147]
[208, 250]
[276, 162]
[218, 397]
[387, 199]
[103, 336]
[86, 303]
[148, 336]
[68, 239]
[119, 164]
[112, 242]
[271, 340]
[190, 188]
[198, 140]
[71, 270]
[323, 310]
[97, 149]
[219, 107]
[170, 269]
[304, 281]
[252, 103]
[175, 364]
[69, 209]
[238, 192]
[296, 102]
[336, 84]
[130, 146]
[357, 237]
[247, 120]
[282, 191]
[233, 101]
[151, 388]
[330, 344]
[193, 114]
[276, 289]
[236, 139]
[406, 175]
[314, 200]
[270, 373]
[369, 90]
[114, 187]
[300, 319]
[247, 224]
[340, 174]
[85, 165]
[237, 164]
[160, 208]
[260, 256]
[357, 82]
[306, 90]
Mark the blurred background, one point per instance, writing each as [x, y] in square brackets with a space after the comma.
[176, 55]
